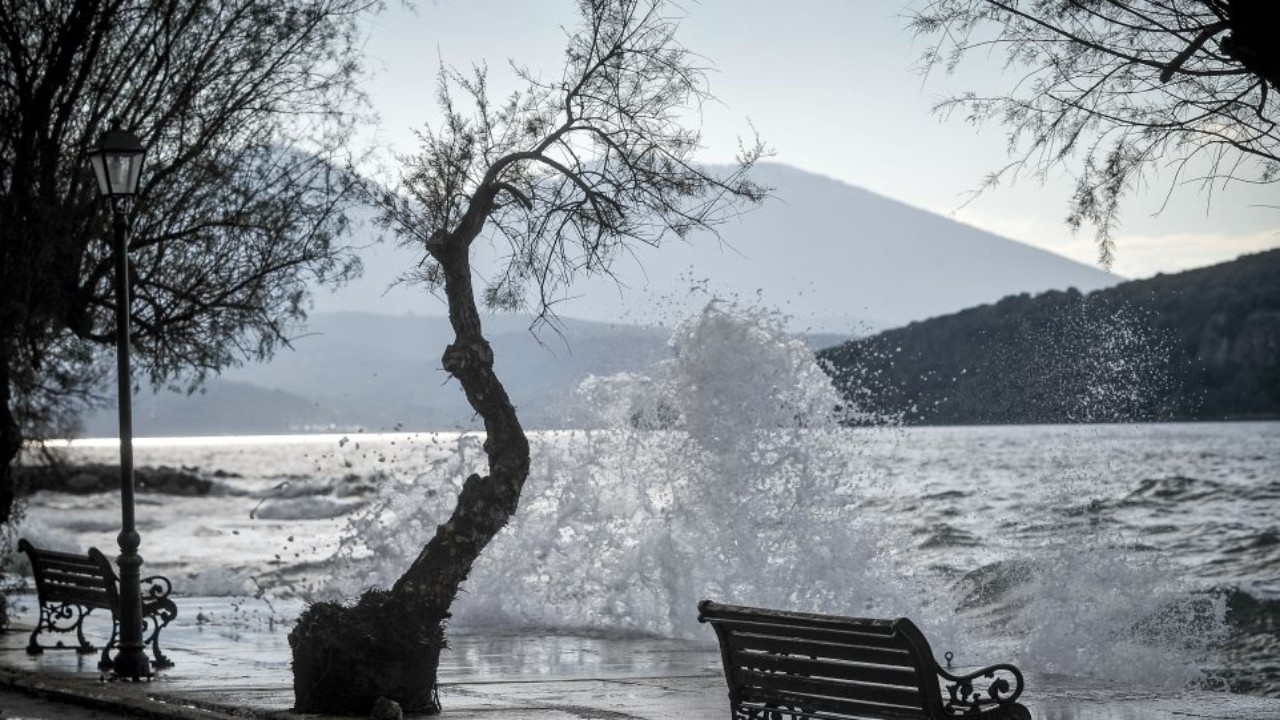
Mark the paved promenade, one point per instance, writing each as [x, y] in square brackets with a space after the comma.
[232, 660]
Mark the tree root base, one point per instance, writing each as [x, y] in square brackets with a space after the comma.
[347, 657]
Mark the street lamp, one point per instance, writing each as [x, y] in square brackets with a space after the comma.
[117, 163]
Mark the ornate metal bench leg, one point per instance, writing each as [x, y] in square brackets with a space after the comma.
[104, 663]
[50, 618]
[158, 618]
[161, 661]
[33, 647]
[86, 647]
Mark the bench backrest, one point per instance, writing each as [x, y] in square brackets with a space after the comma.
[86, 580]
[825, 666]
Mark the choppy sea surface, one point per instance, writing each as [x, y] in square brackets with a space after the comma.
[1140, 553]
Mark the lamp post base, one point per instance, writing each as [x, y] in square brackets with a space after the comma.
[131, 664]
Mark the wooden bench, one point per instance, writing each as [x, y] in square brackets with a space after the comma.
[792, 666]
[69, 587]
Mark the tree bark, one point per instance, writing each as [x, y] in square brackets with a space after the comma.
[395, 653]
[486, 502]
[1252, 41]
[10, 445]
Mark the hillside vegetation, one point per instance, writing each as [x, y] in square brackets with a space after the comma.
[1202, 344]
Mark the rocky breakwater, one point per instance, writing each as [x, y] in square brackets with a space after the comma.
[98, 478]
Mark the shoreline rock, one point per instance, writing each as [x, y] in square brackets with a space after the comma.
[93, 478]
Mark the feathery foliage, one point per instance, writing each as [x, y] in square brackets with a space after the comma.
[1114, 90]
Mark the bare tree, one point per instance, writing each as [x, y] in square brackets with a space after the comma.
[566, 175]
[1119, 88]
[243, 106]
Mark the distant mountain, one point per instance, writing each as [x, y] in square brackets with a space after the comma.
[1202, 344]
[835, 257]
[382, 372]
[839, 259]
[222, 407]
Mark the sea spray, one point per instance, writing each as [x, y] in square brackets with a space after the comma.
[1100, 602]
[1064, 588]
[723, 472]
[1091, 608]
[1114, 364]
[1092, 601]
[728, 471]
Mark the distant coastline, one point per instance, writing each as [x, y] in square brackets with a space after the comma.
[1200, 345]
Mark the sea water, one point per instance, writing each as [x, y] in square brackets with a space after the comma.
[1140, 553]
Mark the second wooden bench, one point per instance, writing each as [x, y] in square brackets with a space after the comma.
[800, 666]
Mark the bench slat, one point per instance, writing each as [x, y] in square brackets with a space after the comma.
[823, 668]
[820, 715]
[907, 698]
[821, 703]
[87, 597]
[843, 636]
[812, 648]
[719, 613]
[68, 577]
[58, 584]
[63, 577]
[81, 563]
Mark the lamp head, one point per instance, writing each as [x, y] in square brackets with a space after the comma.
[117, 162]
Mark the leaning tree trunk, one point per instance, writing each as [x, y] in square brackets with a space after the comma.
[388, 644]
[10, 446]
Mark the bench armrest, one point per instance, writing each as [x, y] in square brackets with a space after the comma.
[999, 692]
[156, 587]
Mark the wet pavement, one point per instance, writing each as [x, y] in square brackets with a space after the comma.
[15, 705]
[232, 660]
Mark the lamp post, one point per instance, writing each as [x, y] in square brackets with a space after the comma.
[117, 163]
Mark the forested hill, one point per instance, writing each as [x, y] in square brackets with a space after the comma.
[1202, 344]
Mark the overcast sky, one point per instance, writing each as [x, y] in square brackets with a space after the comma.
[833, 87]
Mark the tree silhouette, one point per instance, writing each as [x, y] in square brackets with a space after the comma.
[243, 104]
[566, 176]
[1118, 89]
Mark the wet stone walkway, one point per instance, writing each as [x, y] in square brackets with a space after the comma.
[232, 660]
